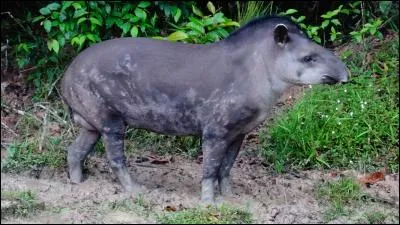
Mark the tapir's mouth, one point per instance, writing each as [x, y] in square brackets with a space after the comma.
[326, 79]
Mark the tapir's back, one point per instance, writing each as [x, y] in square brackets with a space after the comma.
[152, 64]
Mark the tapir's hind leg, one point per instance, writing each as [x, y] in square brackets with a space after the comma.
[78, 151]
[113, 136]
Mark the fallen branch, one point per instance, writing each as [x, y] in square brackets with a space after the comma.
[7, 127]
[52, 113]
[43, 132]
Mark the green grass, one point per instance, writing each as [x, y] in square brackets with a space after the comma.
[211, 215]
[374, 218]
[23, 203]
[247, 11]
[342, 126]
[162, 144]
[339, 196]
[36, 145]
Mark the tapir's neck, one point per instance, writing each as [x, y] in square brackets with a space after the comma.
[261, 72]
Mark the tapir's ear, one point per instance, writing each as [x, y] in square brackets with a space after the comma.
[281, 34]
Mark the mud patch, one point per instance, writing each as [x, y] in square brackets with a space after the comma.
[270, 198]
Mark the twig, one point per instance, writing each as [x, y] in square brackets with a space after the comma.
[7, 127]
[20, 112]
[6, 57]
[54, 84]
[12, 17]
[53, 113]
[43, 132]
[32, 68]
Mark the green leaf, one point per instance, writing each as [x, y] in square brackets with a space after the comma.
[125, 28]
[158, 38]
[379, 35]
[76, 5]
[317, 39]
[35, 19]
[80, 12]
[82, 40]
[56, 46]
[45, 11]
[231, 23]
[53, 6]
[211, 7]
[50, 44]
[384, 7]
[333, 30]
[65, 5]
[62, 27]
[300, 19]
[140, 13]
[110, 21]
[126, 8]
[195, 26]
[177, 15]
[290, 11]
[47, 25]
[346, 11]
[75, 40]
[325, 24]
[134, 19]
[91, 37]
[222, 32]
[61, 40]
[108, 9]
[336, 22]
[327, 15]
[218, 18]
[197, 11]
[153, 19]
[81, 20]
[177, 36]
[144, 4]
[62, 17]
[134, 31]
[94, 21]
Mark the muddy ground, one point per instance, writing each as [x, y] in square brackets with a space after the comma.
[271, 198]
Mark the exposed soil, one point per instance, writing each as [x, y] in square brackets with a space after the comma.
[287, 198]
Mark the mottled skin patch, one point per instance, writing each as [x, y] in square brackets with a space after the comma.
[219, 92]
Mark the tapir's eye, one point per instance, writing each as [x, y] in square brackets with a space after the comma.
[308, 59]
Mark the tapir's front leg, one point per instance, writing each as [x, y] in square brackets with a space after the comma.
[227, 164]
[214, 150]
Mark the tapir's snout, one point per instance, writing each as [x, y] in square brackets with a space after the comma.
[344, 76]
[339, 74]
[334, 79]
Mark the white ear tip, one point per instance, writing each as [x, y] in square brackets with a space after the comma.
[280, 24]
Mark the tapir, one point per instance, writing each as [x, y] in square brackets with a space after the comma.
[218, 91]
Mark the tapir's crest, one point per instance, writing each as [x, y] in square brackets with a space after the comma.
[219, 92]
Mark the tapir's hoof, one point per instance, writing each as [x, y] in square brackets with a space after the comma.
[225, 188]
[75, 177]
[206, 202]
[134, 188]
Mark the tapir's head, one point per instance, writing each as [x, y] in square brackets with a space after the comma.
[288, 54]
[299, 60]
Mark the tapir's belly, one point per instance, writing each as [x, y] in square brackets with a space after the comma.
[166, 118]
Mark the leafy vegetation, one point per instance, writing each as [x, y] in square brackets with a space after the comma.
[353, 125]
[339, 195]
[22, 203]
[203, 30]
[212, 215]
